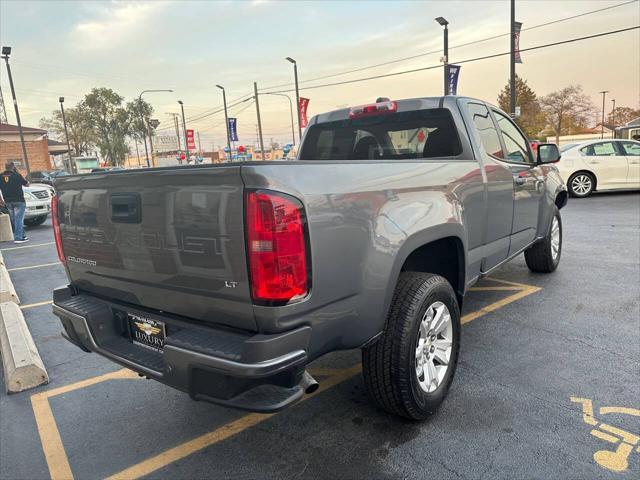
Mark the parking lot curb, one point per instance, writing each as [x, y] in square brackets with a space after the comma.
[7, 290]
[23, 367]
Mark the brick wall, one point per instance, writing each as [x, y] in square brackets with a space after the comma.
[37, 151]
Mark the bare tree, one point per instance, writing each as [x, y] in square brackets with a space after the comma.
[567, 109]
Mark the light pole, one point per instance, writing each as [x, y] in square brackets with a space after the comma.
[184, 129]
[293, 136]
[613, 116]
[604, 94]
[6, 51]
[226, 117]
[512, 62]
[295, 76]
[443, 22]
[66, 134]
[146, 151]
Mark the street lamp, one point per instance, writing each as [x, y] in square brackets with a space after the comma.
[443, 22]
[66, 133]
[6, 51]
[184, 129]
[604, 94]
[146, 151]
[290, 110]
[226, 117]
[295, 75]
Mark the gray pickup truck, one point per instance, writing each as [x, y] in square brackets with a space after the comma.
[226, 281]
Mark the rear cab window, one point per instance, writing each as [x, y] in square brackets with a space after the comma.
[417, 134]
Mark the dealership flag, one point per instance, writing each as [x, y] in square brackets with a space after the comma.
[516, 28]
[191, 141]
[454, 72]
[233, 129]
[304, 103]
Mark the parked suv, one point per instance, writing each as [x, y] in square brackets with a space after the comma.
[226, 281]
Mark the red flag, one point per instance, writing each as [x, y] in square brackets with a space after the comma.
[304, 103]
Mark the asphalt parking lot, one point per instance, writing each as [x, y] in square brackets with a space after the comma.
[548, 386]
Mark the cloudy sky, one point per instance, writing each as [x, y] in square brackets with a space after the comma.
[64, 48]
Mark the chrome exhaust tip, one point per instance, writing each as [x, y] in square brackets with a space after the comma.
[308, 383]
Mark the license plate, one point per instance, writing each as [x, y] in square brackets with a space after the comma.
[147, 332]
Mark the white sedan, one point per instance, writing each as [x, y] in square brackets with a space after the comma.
[600, 165]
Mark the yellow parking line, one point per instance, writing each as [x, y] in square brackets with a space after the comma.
[469, 317]
[39, 304]
[33, 266]
[184, 450]
[57, 459]
[496, 289]
[27, 246]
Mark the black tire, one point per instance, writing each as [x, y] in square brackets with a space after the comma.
[573, 184]
[389, 364]
[33, 222]
[539, 256]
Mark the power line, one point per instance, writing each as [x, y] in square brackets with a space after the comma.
[433, 52]
[485, 57]
[218, 109]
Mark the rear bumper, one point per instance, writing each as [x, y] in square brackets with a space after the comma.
[247, 371]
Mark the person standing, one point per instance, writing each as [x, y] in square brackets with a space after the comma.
[11, 183]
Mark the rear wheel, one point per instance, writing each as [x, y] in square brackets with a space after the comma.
[409, 370]
[544, 255]
[581, 184]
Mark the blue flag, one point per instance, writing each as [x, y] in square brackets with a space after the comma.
[233, 130]
[454, 72]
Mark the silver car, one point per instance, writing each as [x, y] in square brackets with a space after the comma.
[38, 203]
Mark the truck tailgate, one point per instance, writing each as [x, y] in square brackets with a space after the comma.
[164, 239]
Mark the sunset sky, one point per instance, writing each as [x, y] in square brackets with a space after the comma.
[66, 48]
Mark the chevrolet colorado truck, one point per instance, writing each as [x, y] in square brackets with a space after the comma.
[225, 281]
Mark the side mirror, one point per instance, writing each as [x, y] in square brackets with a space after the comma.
[548, 153]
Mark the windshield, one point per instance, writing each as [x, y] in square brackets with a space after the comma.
[407, 135]
[566, 147]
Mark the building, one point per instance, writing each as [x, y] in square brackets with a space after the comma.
[36, 142]
[630, 130]
[584, 135]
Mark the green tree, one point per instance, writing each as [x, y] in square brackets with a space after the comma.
[81, 135]
[531, 119]
[566, 110]
[111, 123]
[622, 115]
[140, 112]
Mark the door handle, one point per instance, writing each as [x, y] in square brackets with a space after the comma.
[125, 208]
[593, 162]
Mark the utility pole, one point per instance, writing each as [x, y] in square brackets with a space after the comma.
[226, 117]
[255, 92]
[295, 77]
[66, 134]
[604, 94]
[199, 144]
[184, 129]
[512, 62]
[444, 23]
[146, 124]
[6, 51]
[137, 152]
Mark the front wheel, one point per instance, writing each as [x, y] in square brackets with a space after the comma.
[409, 370]
[32, 222]
[544, 255]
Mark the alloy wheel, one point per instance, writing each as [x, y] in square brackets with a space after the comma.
[433, 348]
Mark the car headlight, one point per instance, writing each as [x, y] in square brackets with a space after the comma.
[30, 196]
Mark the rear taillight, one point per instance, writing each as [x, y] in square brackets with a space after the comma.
[56, 228]
[276, 247]
[373, 109]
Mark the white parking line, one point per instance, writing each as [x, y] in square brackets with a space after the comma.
[27, 246]
[33, 266]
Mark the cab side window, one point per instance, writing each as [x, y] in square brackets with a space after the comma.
[517, 145]
[486, 129]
